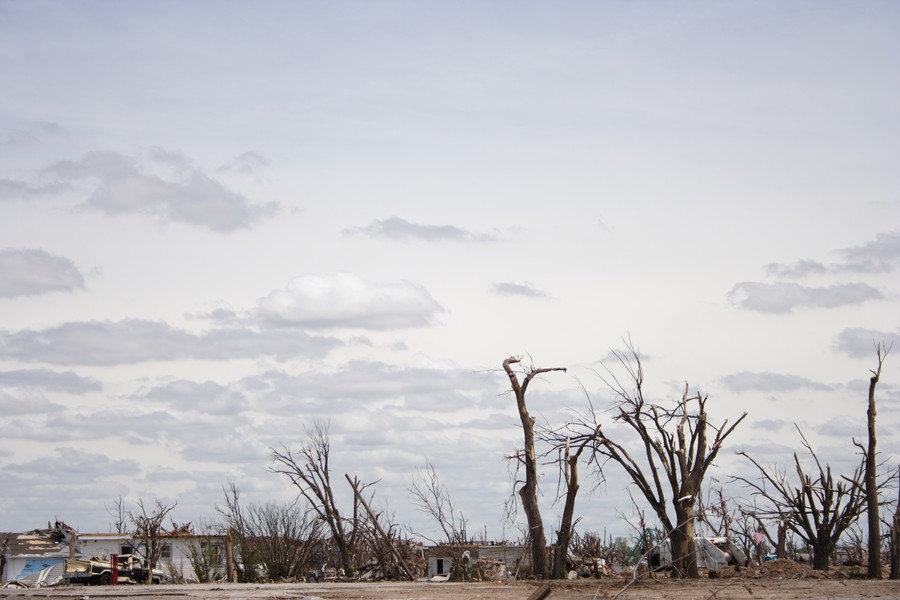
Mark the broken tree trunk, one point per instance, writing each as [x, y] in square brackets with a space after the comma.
[895, 539]
[380, 531]
[874, 520]
[564, 537]
[529, 490]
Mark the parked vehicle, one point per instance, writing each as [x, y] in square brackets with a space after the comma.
[96, 571]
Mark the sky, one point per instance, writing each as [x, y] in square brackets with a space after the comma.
[221, 222]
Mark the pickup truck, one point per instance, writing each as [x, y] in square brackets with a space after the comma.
[96, 571]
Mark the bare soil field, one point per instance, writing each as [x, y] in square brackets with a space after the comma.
[773, 581]
[662, 588]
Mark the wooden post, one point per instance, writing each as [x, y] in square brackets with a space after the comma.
[229, 558]
[114, 569]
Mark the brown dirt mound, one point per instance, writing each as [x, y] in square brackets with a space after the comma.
[786, 569]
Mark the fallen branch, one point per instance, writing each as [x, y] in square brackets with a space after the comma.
[540, 593]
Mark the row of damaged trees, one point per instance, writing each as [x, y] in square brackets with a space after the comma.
[664, 449]
[667, 458]
[678, 445]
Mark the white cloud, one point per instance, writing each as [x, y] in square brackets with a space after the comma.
[17, 138]
[49, 380]
[345, 300]
[26, 405]
[477, 159]
[782, 298]
[74, 465]
[207, 397]
[246, 164]
[31, 272]
[22, 190]
[859, 342]
[402, 230]
[134, 341]
[21, 138]
[187, 195]
[770, 382]
[525, 289]
[881, 255]
[843, 426]
[801, 268]
[770, 424]
[367, 382]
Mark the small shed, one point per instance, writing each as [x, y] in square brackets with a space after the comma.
[494, 561]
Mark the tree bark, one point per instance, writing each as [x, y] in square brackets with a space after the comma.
[780, 551]
[895, 539]
[822, 551]
[874, 566]
[561, 552]
[684, 551]
[528, 491]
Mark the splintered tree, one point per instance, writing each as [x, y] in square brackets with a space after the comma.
[568, 487]
[529, 490]
[310, 472]
[871, 479]
[820, 507]
[678, 446]
[383, 538]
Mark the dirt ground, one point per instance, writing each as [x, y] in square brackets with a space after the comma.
[662, 589]
[776, 580]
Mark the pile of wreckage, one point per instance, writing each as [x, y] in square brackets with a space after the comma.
[35, 558]
[59, 555]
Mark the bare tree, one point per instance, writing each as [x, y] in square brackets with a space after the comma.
[310, 472]
[677, 452]
[382, 537]
[432, 498]
[567, 490]
[529, 490]
[820, 507]
[871, 472]
[120, 514]
[239, 530]
[713, 511]
[148, 529]
[276, 540]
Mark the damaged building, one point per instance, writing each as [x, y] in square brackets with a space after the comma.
[480, 561]
[38, 557]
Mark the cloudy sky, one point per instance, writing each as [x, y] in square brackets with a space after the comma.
[220, 221]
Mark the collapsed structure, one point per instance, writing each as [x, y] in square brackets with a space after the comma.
[58, 553]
